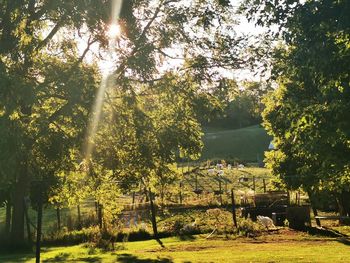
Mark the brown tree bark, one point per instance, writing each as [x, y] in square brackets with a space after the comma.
[58, 215]
[314, 210]
[17, 226]
[8, 217]
[100, 216]
[153, 215]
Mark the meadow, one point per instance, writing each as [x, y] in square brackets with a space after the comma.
[282, 246]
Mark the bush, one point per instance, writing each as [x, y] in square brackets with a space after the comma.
[66, 237]
[248, 228]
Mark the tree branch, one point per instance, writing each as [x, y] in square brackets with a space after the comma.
[51, 34]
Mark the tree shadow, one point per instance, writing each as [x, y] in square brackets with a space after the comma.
[128, 258]
[89, 259]
[64, 257]
[61, 257]
[327, 232]
[343, 240]
[160, 242]
[186, 238]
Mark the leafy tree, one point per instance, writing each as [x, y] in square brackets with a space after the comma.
[45, 91]
[308, 112]
[149, 118]
[242, 103]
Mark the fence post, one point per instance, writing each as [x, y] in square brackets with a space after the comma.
[254, 183]
[233, 208]
[264, 185]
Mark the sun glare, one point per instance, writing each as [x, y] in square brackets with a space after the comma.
[113, 31]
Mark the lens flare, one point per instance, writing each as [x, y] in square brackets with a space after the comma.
[112, 33]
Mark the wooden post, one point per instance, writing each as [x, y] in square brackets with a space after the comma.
[133, 201]
[39, 226]
[79, 217]
[220, 189]
[96, 208]
[153, 215]
[196, 185]
[254, 183]
[264, 182]
[180, 193]
[233, 208]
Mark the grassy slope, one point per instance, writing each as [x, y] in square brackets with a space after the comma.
[245, 144]
[287, 246]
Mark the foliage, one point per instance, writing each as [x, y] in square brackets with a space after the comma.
[308, 113]
[242, 103]
[248, 228]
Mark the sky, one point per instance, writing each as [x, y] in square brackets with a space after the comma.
[106, 64]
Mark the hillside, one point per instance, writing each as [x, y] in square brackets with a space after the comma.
[246, 144]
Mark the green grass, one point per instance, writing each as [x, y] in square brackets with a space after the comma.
[246, 144]
[287, 246]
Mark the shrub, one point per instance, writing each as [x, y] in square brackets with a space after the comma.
[248, 228]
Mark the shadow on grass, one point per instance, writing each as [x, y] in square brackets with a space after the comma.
[187, 238]
[340, 237]
[61, 257]
[16, 258]
[127, 258]
[343, 240]
[160, 242]
[64, 257]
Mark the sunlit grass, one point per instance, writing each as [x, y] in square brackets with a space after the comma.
[284, 247]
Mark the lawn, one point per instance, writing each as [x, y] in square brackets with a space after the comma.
[285, 246]
[246, 144]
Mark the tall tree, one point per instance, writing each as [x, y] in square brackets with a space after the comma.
[45, 91]
[169, 54]
[308, 112]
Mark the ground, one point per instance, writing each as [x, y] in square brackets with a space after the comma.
[282, 246]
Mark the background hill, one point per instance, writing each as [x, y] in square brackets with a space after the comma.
[247, 144]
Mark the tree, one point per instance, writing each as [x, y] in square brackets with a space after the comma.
[46, 91]
[150, 118]
[241, 103]
[307, 113]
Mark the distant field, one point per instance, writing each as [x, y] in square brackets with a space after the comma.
[246, 144]
[285, 246]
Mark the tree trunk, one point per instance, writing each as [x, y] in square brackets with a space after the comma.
[17, 226]
[153, 215]
[8, 217]
[58, 215]
[29, 234]
[346, 202]
[100, 216]
[38, 233]
[314, 210]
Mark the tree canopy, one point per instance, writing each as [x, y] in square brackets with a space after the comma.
[308, 113]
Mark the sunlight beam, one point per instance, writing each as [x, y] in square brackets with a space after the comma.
[112, 33]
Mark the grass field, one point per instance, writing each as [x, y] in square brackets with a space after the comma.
[246, 144]
[285, 246]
